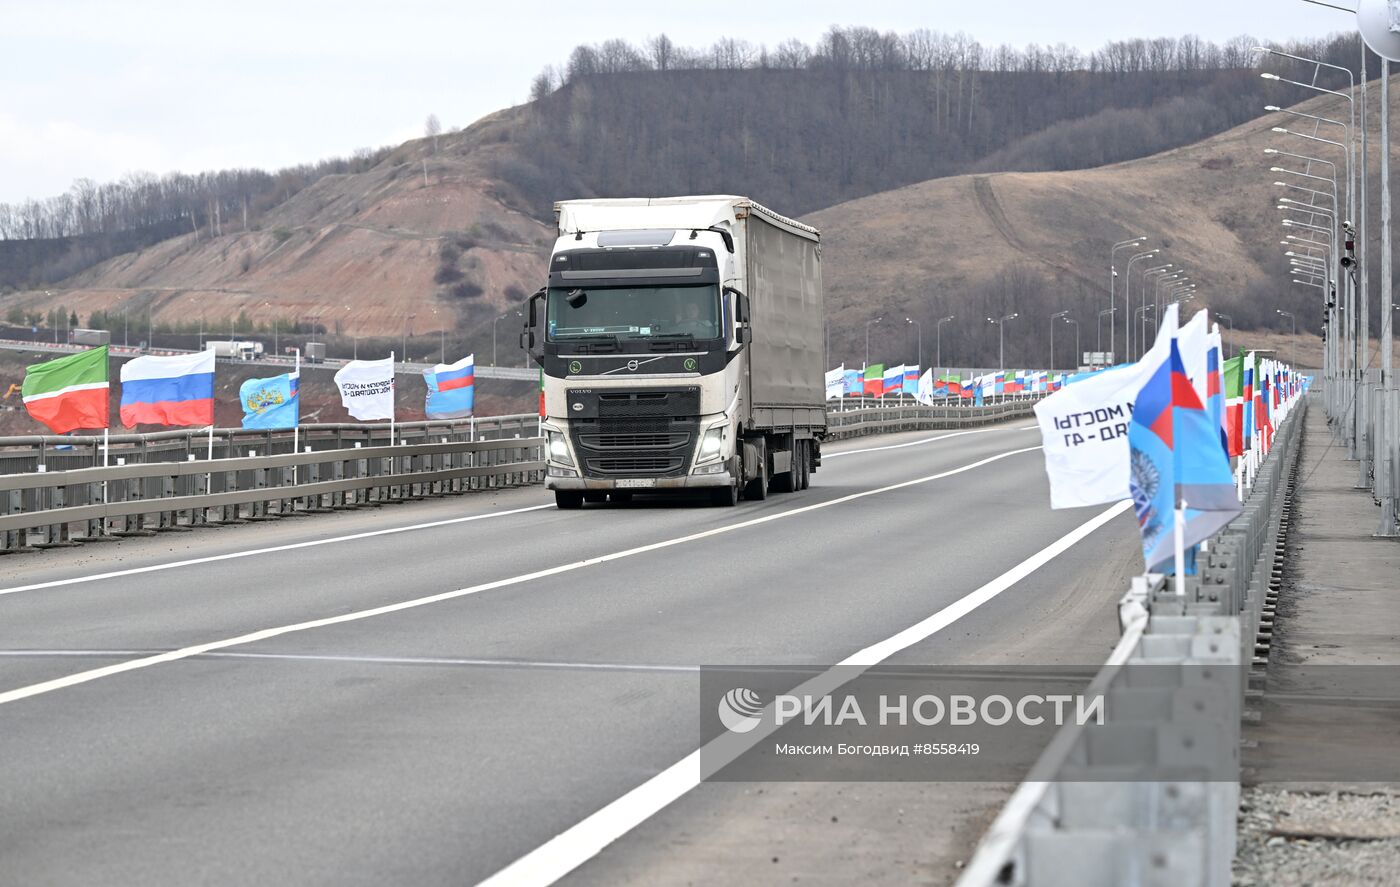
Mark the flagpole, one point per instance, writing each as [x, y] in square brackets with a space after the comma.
[106, 438]
[393, 406]
[1180, 553]
[296, 425]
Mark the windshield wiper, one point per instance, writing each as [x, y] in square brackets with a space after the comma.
[595, 344]
[673, 342]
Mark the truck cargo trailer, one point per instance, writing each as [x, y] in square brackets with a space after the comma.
[680, 341]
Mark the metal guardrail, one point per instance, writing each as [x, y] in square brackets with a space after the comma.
[869, 416]
[25, 454]
[165, 481]
[1081, 817]
[55, 491]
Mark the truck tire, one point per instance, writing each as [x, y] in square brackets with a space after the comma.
[787, 481]
[725, 497]
[757, 489]
[568, 500]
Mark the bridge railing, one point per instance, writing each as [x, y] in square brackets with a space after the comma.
[20, 455]
[56, 491]
[870, 416]
[1151, 795]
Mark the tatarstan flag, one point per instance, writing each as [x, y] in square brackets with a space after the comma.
[875, 380]
[1234, 405]
[69, 393]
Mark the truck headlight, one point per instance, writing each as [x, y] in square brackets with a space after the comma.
[711, 444]
[558, 449]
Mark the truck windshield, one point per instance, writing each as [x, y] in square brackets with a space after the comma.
[640, 312]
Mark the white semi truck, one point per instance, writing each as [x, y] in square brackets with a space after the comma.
[680, 340]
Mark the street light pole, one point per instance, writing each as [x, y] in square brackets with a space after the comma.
[1076, 342]
[918, 328]
[868, 324]
[1001, 338]
[494, 326]
[939, 336]
[1295, 334]
[1053, 317]
[1128, 298]
[1229, 330]
[1112, 277]
[1099, 324]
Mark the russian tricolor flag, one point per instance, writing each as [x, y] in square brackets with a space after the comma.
[451, 389]
[893, 381]
[175, 390]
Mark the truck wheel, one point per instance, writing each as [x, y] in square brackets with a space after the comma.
[757, 489]
[568, 500]
[595, 497]
[786, 481]
[725, 497]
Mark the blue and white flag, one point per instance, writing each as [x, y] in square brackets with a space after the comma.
[836, 383]
[271, 403]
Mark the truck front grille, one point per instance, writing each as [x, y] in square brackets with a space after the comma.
[635, 440]
[631, 466]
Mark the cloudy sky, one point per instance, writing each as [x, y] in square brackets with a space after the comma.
[98, 89]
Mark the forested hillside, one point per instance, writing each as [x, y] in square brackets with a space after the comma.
[943, 176]
[45, 240]
[804, 127]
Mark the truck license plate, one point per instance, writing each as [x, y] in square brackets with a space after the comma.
[633, 482]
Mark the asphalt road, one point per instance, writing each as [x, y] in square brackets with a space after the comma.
[437, 741]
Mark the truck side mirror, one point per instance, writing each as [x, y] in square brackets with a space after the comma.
[529, 339]
[741, 304]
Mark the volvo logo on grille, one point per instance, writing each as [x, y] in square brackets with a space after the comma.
[632, 365]
[575, 367]
[578, 407]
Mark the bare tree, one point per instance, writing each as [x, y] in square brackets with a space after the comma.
[432, 128]
[663, 52]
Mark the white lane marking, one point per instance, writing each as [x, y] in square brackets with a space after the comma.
[914, 443]
[83, 677]
[1029, 428]
[367, 660]
[233, 555]
[581, 842]
[114, 574]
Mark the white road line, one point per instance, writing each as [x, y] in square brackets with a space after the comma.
[84, 677]
[189, 562]
[233, 555]
[367, 660]
[914, 443]
[567, 851]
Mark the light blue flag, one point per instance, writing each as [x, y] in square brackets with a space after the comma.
[271, 403]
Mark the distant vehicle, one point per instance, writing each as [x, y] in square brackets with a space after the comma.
[315, 352]
[681, 344]
[90, 337]
[235, 349]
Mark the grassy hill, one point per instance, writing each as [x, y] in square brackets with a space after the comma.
[450, 237]
[1036, 243]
